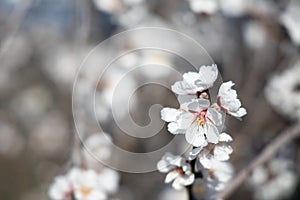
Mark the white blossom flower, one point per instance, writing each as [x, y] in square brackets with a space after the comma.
[204, 6]
[228, 101]
[216, 173]
[84, 185]
[290, 19]
[221, 151]
[274, 181]
[178, 169]
[282, 92]
[194, 82]
[61, 189]
[98, 147]
[199, 124]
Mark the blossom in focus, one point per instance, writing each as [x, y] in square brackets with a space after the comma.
[220, 151]
[199, 123]
[194, 82]
[228, 101]
[178, 169]
[216, 173]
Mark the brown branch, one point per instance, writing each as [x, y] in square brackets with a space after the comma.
[267, 154]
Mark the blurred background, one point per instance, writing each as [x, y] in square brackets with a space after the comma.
[255, 43]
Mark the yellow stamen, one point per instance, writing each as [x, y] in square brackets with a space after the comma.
[86, 191]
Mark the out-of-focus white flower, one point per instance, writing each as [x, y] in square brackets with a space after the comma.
[84, 185]
[283, 92]
[199, 123]
[221, 151]
[234, 8]
[228, 101]
[115, 6]
[115, 88]
[50, 135]
[34, 101]
[109, 6]
[98, 148]
[290, 19]
[204, 6]
[194, 82]
[274, 181]
[178, 169]
[255, 34]
[61, 189]
[215, 172]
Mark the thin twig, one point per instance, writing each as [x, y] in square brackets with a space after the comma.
[266, 155]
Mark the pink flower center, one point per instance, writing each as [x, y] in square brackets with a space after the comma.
[201, 117]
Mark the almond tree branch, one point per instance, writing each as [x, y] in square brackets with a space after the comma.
[267, 154]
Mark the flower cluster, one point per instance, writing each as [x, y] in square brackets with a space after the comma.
[201, 121]
[273, 181]
[82, 184]
[91, 181]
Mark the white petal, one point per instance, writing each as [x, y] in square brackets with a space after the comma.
[173, 128]
[208, 75]
[188, 179]
[214, 116]
[169, 114]
[195, 135]
[171, 176]
[212, 133]
[177, 184]
[240, 113]
[185, 120]
[198, 105]
[220, 153]
[194, 153]
[191, 77]
[183, 88]
[224, 137]
[182, 99]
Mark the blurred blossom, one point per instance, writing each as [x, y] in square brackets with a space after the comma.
[61, 67]
[255, 34]
[11, 142]
[204, 6]
[84, 185]
[98, 147]
[50, 136]
[232, 8]
[34, 102]
[235, 8]
[115, 6]
[114, 91]
[290, 19]
[163, 62]
[13, 45]
[283, 92]
[274, 181]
